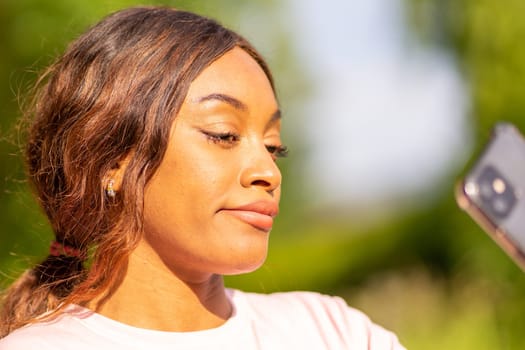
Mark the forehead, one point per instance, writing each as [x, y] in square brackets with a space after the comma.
[234, 74]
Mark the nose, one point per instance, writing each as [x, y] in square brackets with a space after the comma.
[260, 170]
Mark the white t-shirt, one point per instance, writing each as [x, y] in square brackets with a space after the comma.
[293, 320]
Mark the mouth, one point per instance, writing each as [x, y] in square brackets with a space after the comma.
[257, 214]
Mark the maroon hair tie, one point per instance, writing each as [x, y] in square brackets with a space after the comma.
[58, 249]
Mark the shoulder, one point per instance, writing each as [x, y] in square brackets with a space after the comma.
[327, 316]
[315, 305]
[59, 333]
[26, 338]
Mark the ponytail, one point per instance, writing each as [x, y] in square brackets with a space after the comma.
[40, 290]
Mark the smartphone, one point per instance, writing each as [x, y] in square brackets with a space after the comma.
[492, 190]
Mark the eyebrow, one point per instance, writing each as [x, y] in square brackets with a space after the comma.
[232, 101]
[235, 103]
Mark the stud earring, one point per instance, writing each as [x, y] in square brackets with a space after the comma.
[110, 191]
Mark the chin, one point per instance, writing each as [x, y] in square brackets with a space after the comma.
[246, 265]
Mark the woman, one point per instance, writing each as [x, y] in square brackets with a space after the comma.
[153, 154]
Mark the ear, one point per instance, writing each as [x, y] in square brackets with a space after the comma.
[116, 174]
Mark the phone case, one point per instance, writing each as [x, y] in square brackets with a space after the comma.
[492, 191]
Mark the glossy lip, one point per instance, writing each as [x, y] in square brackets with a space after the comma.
[259, 214]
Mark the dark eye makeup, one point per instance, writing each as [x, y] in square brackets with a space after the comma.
[278, 151]
[229, 139]
[222, 138]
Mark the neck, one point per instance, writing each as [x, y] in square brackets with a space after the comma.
[152, 296]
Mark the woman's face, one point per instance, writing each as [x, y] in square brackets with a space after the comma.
[211, 204]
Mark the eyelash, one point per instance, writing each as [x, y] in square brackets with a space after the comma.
[222, 138]
[228, 139]
[278, 151]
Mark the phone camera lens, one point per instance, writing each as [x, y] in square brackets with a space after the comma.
[500, 206]
[496, 194]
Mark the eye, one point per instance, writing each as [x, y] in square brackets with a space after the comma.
[225, 138]
[277, 151]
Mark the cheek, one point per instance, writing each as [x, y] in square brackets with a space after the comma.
[176, 211]
[188, 187]
[204, 177]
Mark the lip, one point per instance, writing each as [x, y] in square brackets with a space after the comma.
[258, 214]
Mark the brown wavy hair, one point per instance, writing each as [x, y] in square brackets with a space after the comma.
[112, 95]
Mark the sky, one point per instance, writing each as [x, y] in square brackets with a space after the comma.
[386, 117]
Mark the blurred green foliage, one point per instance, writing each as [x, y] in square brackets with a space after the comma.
[429, 274]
